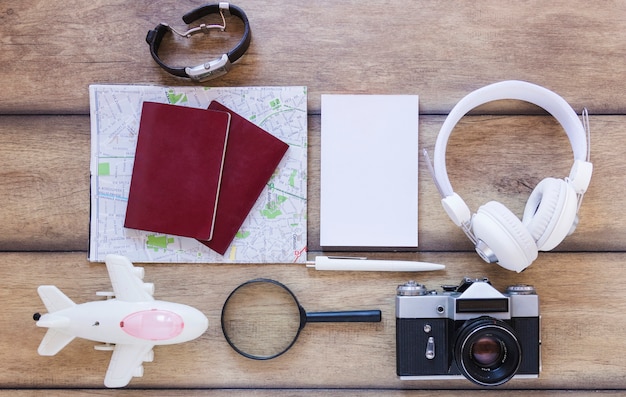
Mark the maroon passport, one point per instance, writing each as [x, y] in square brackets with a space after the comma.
[177, 171]
[252, 155]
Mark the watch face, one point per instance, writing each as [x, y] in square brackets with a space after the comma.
[210, 70]
[212, 74]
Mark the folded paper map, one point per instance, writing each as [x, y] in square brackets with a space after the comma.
[275, 229]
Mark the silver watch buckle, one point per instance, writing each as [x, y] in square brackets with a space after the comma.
[203, 28]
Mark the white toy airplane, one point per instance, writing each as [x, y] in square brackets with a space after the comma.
[133, 321]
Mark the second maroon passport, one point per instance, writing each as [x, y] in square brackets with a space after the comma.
[252, 155]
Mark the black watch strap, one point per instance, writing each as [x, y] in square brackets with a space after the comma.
[155, 36]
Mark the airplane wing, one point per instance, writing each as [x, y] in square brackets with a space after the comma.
[126, 363]
[126, 280]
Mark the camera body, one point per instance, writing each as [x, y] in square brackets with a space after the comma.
[471, 330]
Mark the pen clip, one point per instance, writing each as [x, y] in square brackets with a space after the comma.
[312, 263]
[362, 258]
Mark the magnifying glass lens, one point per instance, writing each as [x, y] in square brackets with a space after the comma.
[261, 320]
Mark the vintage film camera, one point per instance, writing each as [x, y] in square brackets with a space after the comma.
[471, 330]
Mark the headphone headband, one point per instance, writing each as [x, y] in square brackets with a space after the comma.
[517, 90]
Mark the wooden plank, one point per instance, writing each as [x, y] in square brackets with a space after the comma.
[581, 323]
[45, 182]
[439, 50]
[45, 173]
[301, 393]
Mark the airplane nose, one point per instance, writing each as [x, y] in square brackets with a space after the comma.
[197, 325]
[203, 324]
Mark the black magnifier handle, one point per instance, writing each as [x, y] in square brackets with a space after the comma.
[355, 316]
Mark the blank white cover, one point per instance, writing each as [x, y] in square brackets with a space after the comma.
[369, 168]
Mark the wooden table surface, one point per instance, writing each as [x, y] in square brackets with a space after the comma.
[441, 50]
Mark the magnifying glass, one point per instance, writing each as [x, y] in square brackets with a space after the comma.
[261, 319]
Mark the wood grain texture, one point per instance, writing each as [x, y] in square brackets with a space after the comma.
[45, 177]
[581, 325]
[50, 53]
[302, 393]
[438, 49]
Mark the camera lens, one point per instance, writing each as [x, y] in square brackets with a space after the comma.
[487, 351]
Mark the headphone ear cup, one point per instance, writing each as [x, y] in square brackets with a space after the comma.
[550, 212]
[498, 228]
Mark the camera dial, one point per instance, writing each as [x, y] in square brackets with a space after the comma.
[411, 288]
[520, 289]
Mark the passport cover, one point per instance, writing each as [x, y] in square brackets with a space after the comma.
[177, 171]
[252, 156]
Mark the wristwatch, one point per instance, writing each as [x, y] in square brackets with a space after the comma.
[213, 68]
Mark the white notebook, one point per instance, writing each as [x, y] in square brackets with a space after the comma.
[369, 168]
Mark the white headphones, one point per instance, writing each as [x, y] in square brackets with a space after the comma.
[551, 211]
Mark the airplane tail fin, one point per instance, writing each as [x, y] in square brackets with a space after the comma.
[55, 339]
[53, 342]
[53, 298]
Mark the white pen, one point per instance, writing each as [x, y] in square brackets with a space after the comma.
[364, 264]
